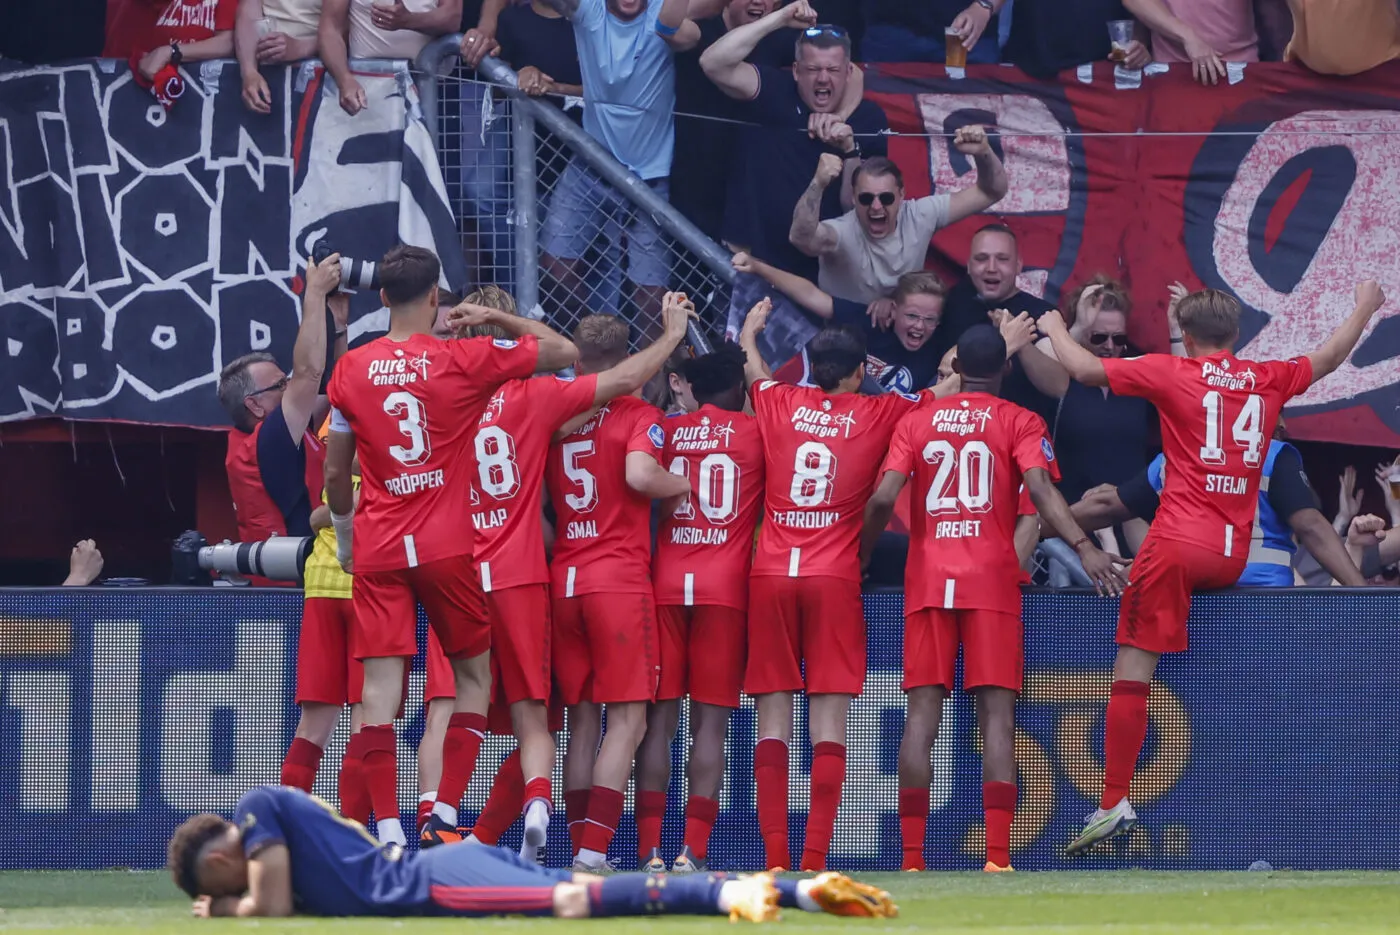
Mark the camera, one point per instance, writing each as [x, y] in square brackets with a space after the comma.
[281, 558]
[354, 274]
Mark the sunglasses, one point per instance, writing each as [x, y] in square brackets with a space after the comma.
[279, 385]
[824, 29]
[868, 198]
[1119, 340]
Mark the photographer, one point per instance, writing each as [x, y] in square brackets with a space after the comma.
[274, 462]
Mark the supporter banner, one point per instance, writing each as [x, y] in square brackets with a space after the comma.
[141, 249]
[124, 711]
[1278, 189]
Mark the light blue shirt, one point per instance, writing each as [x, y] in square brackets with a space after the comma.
[629, 86]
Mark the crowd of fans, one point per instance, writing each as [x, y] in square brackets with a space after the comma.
[778, 155]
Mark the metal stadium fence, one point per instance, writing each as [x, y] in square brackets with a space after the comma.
[525, 179]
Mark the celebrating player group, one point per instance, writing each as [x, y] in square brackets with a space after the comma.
[771, 497]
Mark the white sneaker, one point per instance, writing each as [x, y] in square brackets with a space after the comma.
[1102, 824]
[602, 868]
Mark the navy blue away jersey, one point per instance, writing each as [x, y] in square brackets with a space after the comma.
[338, 868]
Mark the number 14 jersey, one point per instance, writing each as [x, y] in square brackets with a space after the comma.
[1218, 414]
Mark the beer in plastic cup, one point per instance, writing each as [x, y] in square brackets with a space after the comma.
[1395, 484]
[1120, 33]
[955, 55]
[266, 27]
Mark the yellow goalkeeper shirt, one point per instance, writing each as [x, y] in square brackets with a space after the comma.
[323, 575]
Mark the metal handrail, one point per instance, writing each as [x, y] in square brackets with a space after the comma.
[439, 53]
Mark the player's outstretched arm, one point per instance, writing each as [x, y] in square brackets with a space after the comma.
[652, 480]
[1026, 537]
[1101, 507]
[309, 351]
[755, 369]
[1316, 535]
[340, 487]
[878, 511]
[1082, 366]
[677, 312]
[1369, 299]
[1103, 569]
[555, 351]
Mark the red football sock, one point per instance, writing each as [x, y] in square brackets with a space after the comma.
[770, 773]
[300, 764]
[503, 804]
[354, 797]
[380, 755]
[538, 788]
[651, 810]
[913, 825]
[700, 815]
[460, 747]
[828, 773]
[604, 812]
[425, 810]
[999, 807]
[1125, 729]
[575, 814]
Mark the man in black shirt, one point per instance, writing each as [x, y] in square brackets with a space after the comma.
[705, 149]
[800, 117]
[900, 359]
[1037, 380]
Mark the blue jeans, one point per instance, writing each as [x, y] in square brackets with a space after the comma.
[893, 44]
[486, 179]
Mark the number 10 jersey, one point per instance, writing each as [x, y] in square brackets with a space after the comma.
[413, 406]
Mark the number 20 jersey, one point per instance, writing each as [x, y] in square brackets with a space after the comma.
[822, 456]
[413, 406]
[966, 456]
[512, 443]
[1218, 414]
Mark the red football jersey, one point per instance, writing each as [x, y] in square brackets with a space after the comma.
[705, 548]
[822, 455]
[512, 443]
[1218, 414]
[602, 530]
[413, 406]
[967, 455]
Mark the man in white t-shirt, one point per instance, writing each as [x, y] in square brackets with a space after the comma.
[393, 29]
[865, 251]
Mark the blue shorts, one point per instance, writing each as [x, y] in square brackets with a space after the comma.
[476, 880]
[584, 209]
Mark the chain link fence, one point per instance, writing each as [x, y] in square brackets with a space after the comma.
[548, 214]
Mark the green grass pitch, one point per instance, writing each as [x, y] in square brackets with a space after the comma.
[1061, 903]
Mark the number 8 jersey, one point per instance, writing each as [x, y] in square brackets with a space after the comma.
[822, 455]
[1218, 414]
[413, 406]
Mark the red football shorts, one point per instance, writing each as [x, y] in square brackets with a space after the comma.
[386, 608]
[702, 653]
[1152, 613]
[327, 670]
[520, 638]
[440, 683]
[605, 648]
[993, 648]
[816, 625]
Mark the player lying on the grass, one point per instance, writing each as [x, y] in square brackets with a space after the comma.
[968, 455]
[1218, 414]
[288, 853]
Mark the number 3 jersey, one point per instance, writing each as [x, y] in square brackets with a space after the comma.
[822, 455]
[966, 455]
[512, 443]
[413, 406]
[704, 548]
[1218, 414]
[602, 530]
